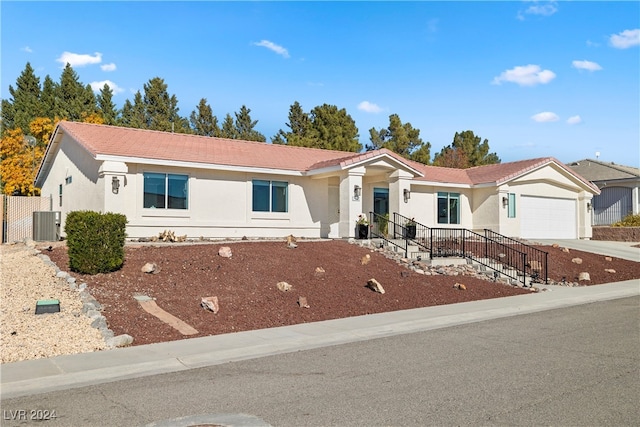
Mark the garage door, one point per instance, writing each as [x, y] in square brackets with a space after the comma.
[547, 218]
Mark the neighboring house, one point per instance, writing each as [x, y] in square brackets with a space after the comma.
[619, 189]
[222, 188]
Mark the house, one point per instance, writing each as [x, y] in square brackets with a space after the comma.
[221, 188]
[619, 189]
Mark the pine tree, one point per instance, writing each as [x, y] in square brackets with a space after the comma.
[203, 122]
[333, 129]
[245, 127]
[106, 107]
[402, 139]
[229, 128]
[300, 125]
[133, 115]
[467, 150]
[75, 100]
[24, 104]
[49, 98]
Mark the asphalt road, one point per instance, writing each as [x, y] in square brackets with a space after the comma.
[571, 366]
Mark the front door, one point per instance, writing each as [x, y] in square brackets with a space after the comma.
[381, 201]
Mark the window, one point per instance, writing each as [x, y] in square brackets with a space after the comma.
[270, 196]
[448, 208]
[165, 191]
[60, 194]
[512, 206]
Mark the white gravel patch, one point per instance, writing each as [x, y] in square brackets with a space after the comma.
[24, 279]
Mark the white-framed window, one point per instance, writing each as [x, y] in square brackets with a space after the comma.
[448, 208]
[270, 196]
[166, 191]
[511, 213]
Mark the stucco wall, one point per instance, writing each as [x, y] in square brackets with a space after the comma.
[220, 206]
[77, 172]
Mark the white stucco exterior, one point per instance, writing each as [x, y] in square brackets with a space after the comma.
[321, 202]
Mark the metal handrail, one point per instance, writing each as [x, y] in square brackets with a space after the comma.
[382, 227]
[418, 236]
[537, 258]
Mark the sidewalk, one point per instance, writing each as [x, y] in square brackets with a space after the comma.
[64, 372]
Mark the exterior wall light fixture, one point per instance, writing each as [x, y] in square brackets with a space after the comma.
[505, 202]
[115, 185]
[357, 192]
[407, 195]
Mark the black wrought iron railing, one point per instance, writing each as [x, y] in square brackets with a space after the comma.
[389, 231]
[498, 257]
[417, 234]
[537, 259]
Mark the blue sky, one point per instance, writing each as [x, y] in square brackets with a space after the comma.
[536, 79]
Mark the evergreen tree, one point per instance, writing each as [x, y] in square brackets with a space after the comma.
[75, 100]
[229, 128]
[106, 107]
[300, 125]
[49, 98]
[203, 122]
[245, 127]
[133, 115]
[333, 129]
[400, 138]
[161, 109]
[24, 104]
[472, 151]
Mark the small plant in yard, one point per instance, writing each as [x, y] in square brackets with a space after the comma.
[410, 222]
[628, 221]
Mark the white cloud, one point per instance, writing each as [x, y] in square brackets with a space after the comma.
[542, 8]
[527, 75]
[546, 116]
[96, 86]
[108, 67]
[78, 59]
[625, 39]
[27, 49]
[586, 65]
[368, 107]
[546, 8]
[574, 120]
[274, 47]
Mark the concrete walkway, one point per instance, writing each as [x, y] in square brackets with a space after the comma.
[64, 372]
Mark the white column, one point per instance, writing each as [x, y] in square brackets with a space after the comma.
[399, 181]
[635, 200]
[350, 206]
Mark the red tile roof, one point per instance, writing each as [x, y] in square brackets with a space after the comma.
[148, 144]
[103, 140]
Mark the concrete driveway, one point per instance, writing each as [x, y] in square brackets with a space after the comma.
[623, 250]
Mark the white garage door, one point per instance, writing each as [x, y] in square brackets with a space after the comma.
[547, 218]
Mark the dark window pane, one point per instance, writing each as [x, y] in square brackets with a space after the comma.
[260, 195]
[178, 191]
[443, 214]
[279, 196]
[154, 190]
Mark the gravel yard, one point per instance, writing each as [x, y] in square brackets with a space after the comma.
[25, 279]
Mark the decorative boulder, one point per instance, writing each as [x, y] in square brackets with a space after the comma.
[365, 259]
[609, 270]
[375, 286]
[225, 252]
[460, 287]
[284, 286]
[584, 276]
[150, 268]
[302, 302]
[577, 260]
[211, 304]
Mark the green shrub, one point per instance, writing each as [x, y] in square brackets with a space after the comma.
[95, 241]
[628, 221]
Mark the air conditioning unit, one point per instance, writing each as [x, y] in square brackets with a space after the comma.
[46, 226]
